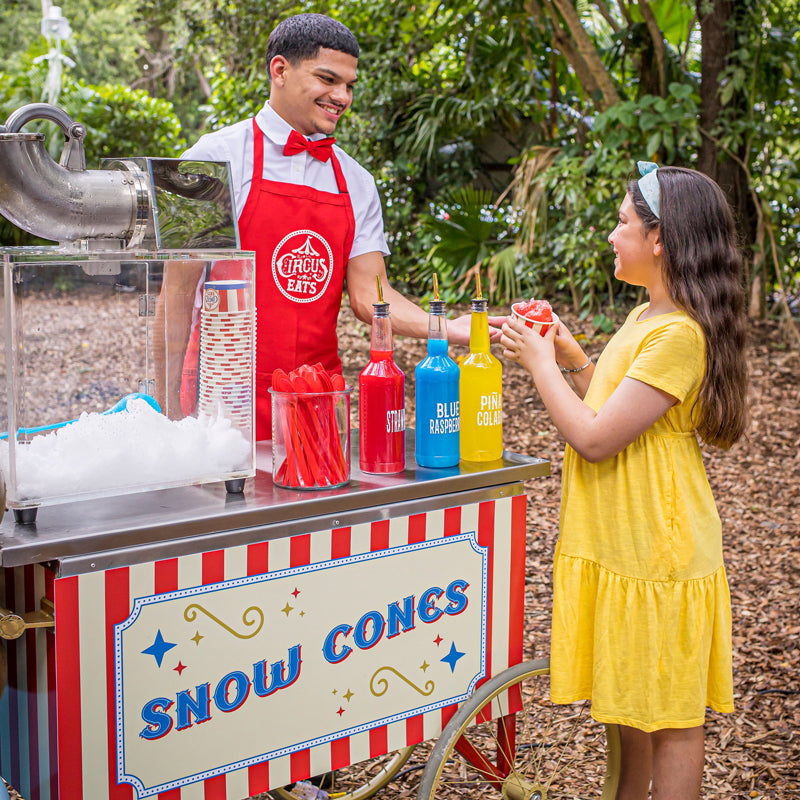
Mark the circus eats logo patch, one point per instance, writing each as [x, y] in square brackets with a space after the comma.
[302, 266]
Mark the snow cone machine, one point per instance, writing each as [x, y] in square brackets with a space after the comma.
[166, 631]
[86, 333]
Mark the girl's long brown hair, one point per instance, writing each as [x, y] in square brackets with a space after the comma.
[702, 269]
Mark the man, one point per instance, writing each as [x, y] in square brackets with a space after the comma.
[310, 212]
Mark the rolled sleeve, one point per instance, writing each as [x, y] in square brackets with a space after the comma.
[369, 236]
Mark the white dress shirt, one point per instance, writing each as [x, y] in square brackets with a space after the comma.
[234, 144]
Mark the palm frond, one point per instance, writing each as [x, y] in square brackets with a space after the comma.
[528, 190]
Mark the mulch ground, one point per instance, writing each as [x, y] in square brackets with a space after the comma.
[755, 751]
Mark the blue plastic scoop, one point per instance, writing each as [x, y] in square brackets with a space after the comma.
[120, 405]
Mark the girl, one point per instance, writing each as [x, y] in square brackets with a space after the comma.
[641, 609]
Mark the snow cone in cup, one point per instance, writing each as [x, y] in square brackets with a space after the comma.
[536, 314]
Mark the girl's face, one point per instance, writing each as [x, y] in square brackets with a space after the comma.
[637, 254]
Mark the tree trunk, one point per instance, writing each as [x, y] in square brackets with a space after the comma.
[718, 25]
[659, 48]
[572, 41]
[716, 29]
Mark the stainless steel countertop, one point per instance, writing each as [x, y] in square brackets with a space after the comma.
[130, 528]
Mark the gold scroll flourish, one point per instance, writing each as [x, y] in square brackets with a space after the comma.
[429, 686]
[190, 615]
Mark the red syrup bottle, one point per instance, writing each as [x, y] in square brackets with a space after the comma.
[381, 401]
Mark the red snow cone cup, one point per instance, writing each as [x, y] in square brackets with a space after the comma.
[535, 314]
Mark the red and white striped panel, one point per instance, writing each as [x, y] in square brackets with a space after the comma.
[28, 753]
[88, 607]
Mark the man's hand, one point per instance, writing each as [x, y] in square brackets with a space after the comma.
[408, 319]
[458, 329]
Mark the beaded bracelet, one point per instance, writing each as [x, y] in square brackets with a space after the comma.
[578, 369]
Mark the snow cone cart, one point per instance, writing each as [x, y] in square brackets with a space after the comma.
[173, 623]
[209, 645]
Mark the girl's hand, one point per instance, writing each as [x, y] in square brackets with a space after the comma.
[569, 353]
[528, 348]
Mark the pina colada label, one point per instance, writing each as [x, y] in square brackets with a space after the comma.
[447, 419]
[395, 420]
[491, 410]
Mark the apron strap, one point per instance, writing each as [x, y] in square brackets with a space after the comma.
[258, 155]
[341, 183]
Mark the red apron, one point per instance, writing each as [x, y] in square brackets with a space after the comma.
[302, 238]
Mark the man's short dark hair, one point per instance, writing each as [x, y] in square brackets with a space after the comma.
[300, 37]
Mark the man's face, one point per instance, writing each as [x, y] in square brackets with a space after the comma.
[313, 95]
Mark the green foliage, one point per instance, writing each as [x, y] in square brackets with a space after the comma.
[568, 252]
[124, 122]
[472, 235]
[452, 99]
[106, 40]
[657, 128]
[120, 122]
[763, 67]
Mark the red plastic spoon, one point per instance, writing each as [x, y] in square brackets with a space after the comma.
[308, 427]
[335, 383]
[298, 471]
[320, 382]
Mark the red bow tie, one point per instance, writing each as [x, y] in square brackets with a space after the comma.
[320, 149]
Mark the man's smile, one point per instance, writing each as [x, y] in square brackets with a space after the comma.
[334, 109]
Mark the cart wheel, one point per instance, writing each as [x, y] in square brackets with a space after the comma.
[360, 780]
[542, 752]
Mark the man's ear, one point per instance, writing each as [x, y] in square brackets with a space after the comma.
[277, 70]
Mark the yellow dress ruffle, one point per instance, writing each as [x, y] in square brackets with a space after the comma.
[649, 654]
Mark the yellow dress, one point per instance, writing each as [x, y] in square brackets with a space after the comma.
[641, 608]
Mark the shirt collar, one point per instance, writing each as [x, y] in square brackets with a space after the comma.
[276, 128]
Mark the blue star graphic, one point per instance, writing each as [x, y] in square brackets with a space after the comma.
[452, 657]
[159, 648]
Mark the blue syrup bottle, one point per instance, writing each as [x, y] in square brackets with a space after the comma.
[437, 402]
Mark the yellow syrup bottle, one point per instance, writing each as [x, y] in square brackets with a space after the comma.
[481, 391]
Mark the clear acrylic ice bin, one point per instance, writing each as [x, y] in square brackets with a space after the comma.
[87, 333]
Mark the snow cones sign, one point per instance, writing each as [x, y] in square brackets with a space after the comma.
[227, 673]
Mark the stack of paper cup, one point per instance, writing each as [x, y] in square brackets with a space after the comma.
[227, 353]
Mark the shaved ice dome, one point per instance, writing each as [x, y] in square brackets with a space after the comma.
[538, 310]
[138, 447]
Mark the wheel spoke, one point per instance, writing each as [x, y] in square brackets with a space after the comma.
[576, 720]
[556, 748]
[478, 760]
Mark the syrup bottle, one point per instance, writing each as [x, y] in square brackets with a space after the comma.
[481, 388]
[381, 405]
[436, 379]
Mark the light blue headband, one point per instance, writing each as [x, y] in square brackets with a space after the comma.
[648, 185]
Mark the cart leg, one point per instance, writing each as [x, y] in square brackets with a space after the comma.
[3, 682]
[362, 780]
[509, 741]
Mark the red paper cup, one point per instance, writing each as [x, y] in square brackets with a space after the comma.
[226, 297]
[539, 327]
